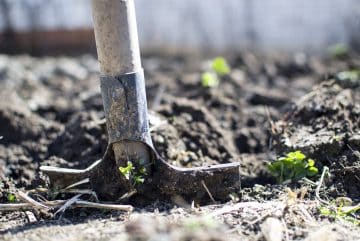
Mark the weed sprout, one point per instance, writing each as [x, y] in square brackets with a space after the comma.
[211, 78]
[294, 166]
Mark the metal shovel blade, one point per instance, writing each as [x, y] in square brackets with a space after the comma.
[167, 180]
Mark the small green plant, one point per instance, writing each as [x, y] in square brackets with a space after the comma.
[293, 166]
[139, 179]
[126, 171]
[342, 213]
[218, 67]
[135, 174]
[209, 79]
[142, 170]
[11, 198]
[339, 50]
[350, 75]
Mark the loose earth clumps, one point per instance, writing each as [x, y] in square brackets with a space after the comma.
[325, 125]
[51, 113]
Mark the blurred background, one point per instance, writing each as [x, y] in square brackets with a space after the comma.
[51, 27]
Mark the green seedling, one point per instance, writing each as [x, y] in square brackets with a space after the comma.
[339, 50]
[220, 66]
[294, 166]
[342, 213]
[126, 171]
[136, 174]
[209, 80]
[350, 75]
[142, 170]
[11, 198]
[138, 179]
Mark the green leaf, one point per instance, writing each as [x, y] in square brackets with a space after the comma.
[341, 213]
[325, 211]
[11, 198]
[142, 170]
[139, 179]
[351, 75]
[312, 171]
[209, 79]
[271, 167]
[126, 170]
[292, 166]
[296, 155]
[220, 66]
[350, 210]
[288, 161]
[311, 163]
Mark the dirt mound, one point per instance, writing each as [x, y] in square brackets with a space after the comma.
[82, 141]
[24, 138]
[325, 125]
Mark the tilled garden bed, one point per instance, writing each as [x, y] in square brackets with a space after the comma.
[51, 113]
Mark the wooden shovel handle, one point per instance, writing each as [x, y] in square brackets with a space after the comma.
[116, 36]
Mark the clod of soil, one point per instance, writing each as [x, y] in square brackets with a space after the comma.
[325, 125]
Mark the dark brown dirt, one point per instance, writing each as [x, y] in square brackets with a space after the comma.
[325, 125]
[51, 112]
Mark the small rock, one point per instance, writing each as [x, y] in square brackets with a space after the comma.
[354, 140]
[31, 217]
[326, 233]
[272, 229]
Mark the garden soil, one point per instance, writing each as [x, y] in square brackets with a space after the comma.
[51, 113]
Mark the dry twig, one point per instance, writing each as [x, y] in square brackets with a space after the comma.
[86, 204]
[68, 203]
[286, 231]
[86, 180]
[208, 191]
[23, 196]
[317, 190]
[59, 203]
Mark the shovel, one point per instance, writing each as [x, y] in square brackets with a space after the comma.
[131, 162]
